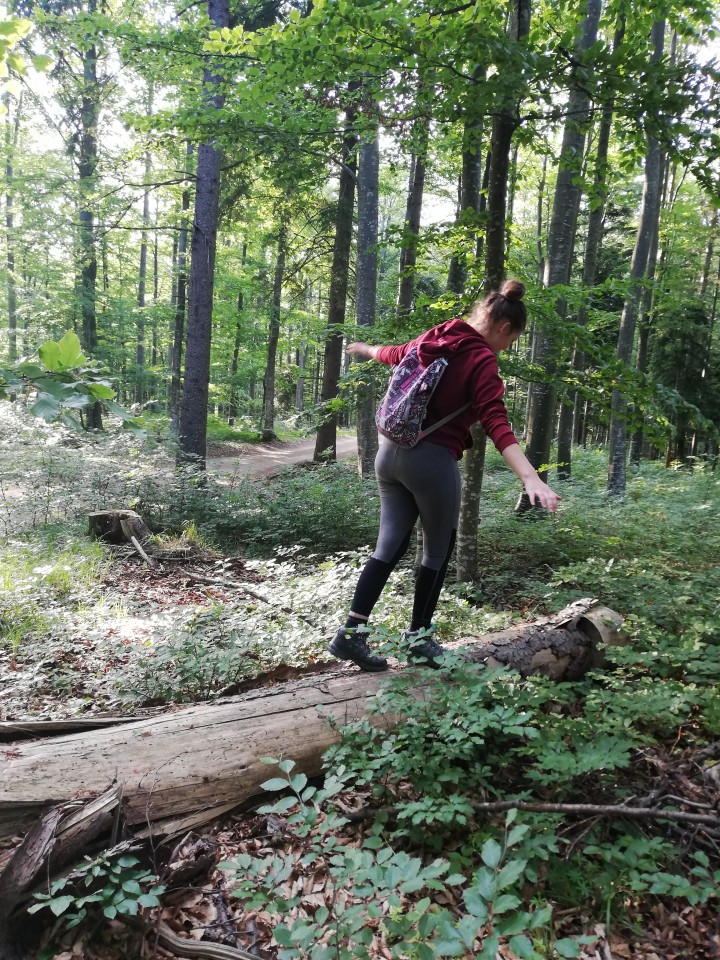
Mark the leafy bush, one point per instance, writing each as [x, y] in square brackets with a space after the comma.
[117, 886]
[373, 876]
[321, 509]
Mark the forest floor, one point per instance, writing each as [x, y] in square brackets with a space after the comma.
[94, 632]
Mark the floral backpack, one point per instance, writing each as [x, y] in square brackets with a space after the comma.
[401, 414]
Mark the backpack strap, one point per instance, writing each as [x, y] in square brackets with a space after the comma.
[447, 419]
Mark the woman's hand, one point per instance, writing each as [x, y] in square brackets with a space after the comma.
[363, 351]
[540, 494]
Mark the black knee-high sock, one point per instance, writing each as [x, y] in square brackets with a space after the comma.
[372, 581]
[428, 585]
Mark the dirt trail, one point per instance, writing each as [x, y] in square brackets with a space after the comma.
[263, 459]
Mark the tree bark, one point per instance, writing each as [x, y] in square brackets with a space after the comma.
[366, 290]
[268, 422]
[206, 759]
[193, 417]
[233, 404]
[474, 460]
[649, 214]
[12, 129]
[87, 187]
[471, 488]
[140, 373]
[470, 182]
[561, 241]
[645, 322]
[570, 412]
[326, 439]
[413, 211]
[180, 300]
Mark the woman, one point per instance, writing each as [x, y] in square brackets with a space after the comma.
[424, 481]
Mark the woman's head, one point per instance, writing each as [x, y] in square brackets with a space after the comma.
[501, 316]
[504, 306]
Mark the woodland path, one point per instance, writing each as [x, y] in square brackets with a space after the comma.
[263, 459]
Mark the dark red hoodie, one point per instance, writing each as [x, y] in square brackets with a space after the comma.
[471, 375]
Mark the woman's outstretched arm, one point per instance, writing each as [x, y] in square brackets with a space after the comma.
[538, 491]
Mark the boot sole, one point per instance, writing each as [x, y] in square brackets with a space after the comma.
[363, 664]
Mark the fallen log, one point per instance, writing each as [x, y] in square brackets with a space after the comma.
[181, 769]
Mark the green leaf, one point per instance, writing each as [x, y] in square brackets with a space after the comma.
[505, 902]
[119, 411]
[522, 947]
[491, 853]
[63, 355]
[286, 765]
[16, 63]
[275, 783]
[298, 782]
[60, 904]
[511, 873]
[45, 406]
[517, 834]
[42, 62]
[100, 389]
[49, 354]
[567, 947]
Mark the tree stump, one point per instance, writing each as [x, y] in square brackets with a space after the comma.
[118, 526]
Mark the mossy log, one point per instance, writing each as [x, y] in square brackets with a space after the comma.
[185, 767]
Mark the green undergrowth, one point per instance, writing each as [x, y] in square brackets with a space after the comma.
[474, 735]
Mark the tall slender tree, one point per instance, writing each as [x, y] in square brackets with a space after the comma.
[561, 242]
[193, 416]
[649, 213]
[366, 286]
[326, 438]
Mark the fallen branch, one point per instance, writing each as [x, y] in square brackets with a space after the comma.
[183, 947]
[568, 809]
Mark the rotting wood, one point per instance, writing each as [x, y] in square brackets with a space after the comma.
[184, 768]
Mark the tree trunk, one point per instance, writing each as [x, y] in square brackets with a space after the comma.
[193, 417]
[140, 373]
[87, 184]
[474, 461]
[233, 405]
[413, 211]
[561, 241]
[12, 129]
[366, 291]
[268, 422]
[648, 222]
[326, 439]
[470, 182]
[180, 301]
[471, 488]
[207, 758]
[646, 320]
[569, 413]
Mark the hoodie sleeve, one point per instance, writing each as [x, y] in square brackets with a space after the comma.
[393, 355]
[488, 404]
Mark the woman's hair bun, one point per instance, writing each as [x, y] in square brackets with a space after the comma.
[513, 290]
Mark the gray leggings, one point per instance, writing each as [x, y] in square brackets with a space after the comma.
[422, 482]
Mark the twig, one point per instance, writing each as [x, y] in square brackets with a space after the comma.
[569, 809]
[136, 543]
[241, 588]
[184, 947]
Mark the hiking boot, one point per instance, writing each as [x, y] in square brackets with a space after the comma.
[350, 644]
[423, 649]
